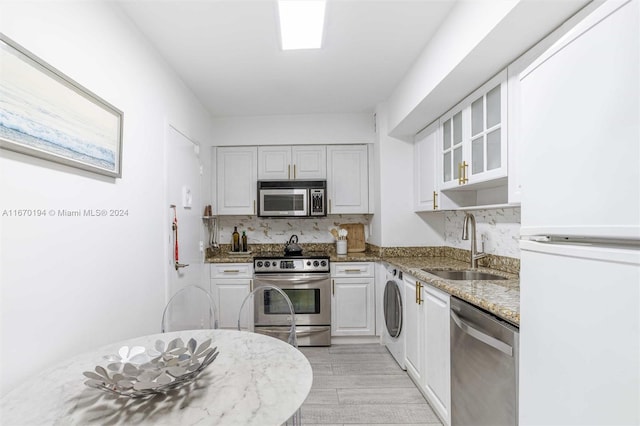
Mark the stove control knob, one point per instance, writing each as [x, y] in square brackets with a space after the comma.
[323, 263]
[267, 263]
[315, 263]
[259, 264]
[274, 264]
[308, 263]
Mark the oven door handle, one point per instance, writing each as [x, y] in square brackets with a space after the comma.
[289, 279]
[307, 331]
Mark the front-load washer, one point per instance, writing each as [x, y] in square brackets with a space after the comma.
[393, 308]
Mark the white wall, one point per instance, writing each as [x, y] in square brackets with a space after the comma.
[294, 129]
[395, 224]
[477, 40]
[72, 283]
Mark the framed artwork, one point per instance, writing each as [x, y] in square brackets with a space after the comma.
[46, 114]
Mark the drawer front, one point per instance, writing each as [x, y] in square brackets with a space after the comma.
[352, 269]
[231, 270]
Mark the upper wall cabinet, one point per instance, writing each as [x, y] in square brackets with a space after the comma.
[461, 161]
[236, 180]
[348, 179]
[292, 162]
[424, 162]
[473, 137]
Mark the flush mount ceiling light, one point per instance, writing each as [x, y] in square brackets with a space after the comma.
[301, 23]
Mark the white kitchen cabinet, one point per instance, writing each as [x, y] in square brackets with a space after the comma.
[414, 328]
[309, 161]
[236, 174]
[425, 195]
[437, 356]
[427, 354]
[348, 179]
[292, 162]
[230, 284]
[474, 137]
[352, 299]
[471, 151]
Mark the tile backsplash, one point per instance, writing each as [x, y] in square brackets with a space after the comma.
[278, 230]
[499, 227]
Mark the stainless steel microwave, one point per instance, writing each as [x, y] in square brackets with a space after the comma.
[292, 198]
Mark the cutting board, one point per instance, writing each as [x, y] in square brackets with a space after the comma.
[355, 237]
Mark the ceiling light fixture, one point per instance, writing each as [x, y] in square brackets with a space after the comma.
[301, 23]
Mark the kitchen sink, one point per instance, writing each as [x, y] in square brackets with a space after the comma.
[464, 275]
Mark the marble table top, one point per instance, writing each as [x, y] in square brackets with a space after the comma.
[256, 380]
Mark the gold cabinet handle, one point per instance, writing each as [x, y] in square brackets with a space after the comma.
[465, 167]
[435, 200]
[333, 287]
[294, 171]
[329, 206]
[254, 206]
[352, 270]
[289, 172]
[419, 293]
[417, 289]
[231, 271]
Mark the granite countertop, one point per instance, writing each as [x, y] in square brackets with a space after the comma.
[500, 297]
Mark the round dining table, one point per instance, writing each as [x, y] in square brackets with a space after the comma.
[255, 380]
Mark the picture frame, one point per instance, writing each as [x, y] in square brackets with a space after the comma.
[46, 114]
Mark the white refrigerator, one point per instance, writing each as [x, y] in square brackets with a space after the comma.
[580, 235]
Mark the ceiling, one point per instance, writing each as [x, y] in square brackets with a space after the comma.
[228, 53]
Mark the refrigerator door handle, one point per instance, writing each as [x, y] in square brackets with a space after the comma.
[479, 335]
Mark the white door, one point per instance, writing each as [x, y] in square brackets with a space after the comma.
[185, 193]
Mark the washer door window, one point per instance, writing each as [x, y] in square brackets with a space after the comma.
[393, 309]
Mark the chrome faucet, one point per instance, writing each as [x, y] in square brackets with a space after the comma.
[468, 217]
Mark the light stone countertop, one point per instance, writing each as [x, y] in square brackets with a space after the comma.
[256, 380]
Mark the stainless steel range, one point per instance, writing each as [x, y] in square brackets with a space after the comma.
[306, 280]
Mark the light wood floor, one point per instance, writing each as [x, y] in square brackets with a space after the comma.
[362, 385]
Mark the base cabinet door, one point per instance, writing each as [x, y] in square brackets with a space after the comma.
[353, 307]
[414, 328]
[437, 361]
[230, 284]
[229, 295]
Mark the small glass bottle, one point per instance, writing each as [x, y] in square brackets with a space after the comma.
[244, 242]
[235, 238]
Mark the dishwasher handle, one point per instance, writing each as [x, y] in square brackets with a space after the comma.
[483, 337]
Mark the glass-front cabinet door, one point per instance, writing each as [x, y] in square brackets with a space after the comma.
[452, 149]
[488, 135]
[474, 138]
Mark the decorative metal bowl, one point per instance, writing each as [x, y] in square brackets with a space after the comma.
[137, 372]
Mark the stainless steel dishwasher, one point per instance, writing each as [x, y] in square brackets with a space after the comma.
[484, 368]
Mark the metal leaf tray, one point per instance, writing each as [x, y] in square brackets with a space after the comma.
[138, 372]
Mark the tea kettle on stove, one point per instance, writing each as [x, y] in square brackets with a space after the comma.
[292, 248]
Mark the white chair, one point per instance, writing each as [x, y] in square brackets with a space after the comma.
[281, 302]
[190, 308]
